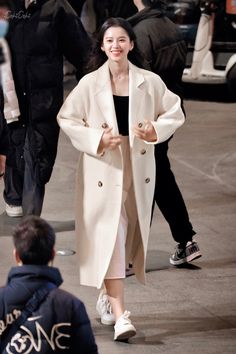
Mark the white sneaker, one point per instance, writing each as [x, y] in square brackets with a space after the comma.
[104, 310]
[124, 328]
[14, 211]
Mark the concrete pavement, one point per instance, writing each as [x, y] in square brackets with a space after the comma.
[180, 310]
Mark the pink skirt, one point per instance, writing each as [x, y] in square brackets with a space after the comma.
[116, 269]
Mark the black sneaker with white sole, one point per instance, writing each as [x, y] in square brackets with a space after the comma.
[185, 255]
[192, 251]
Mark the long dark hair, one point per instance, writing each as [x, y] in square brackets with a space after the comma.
[98, 57]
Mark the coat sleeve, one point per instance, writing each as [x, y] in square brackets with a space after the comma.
[10, 105]
[82, 337]
[74, 41]
[170, 115]
[144, 44]
[73, 120]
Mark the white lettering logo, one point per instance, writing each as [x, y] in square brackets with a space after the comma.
[24, 342]
[10, 318]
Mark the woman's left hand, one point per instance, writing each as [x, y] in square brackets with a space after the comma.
[145, 132]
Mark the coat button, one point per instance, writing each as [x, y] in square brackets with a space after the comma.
[140, 125]
[99, 184]
[147, 180]
[104, 125]
[85, 122]
[143, 152]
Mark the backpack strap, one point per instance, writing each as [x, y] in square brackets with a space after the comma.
[32, 305]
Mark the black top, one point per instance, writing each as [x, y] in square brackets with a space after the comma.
[122, 113]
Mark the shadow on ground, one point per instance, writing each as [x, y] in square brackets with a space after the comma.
[7, 224]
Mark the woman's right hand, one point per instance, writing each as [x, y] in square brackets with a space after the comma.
[109, 141]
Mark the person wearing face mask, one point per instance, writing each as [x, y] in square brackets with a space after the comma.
[4, 9]
[37, 70]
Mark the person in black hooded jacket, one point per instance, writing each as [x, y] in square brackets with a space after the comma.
[59, 324]
[162, 45]
[41, 33]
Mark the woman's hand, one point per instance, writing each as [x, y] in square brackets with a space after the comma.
[109, 141]
[2, 165]
[145, 132]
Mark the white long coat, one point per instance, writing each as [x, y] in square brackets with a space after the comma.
[85, 113]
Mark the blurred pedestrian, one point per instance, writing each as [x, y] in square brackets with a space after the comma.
[4, 142]
[114, 117]
[162, 45]
[41, 32]
[3, 138]
[37, 316]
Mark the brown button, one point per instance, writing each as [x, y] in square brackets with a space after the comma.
[143, 152]
[99, 184]
[104, 125]
[140, 125]
[147, 180]
[85, 122]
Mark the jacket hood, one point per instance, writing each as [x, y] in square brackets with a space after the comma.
[33, 276]
[24, 280]
[144, 14]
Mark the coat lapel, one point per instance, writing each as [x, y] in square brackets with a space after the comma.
[136, 99]
[104, 97]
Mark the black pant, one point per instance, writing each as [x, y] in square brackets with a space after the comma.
[22, 184]
[169, 198]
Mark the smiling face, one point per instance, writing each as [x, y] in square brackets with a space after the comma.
[116, 44]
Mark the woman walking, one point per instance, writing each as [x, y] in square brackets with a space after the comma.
[114, 117]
